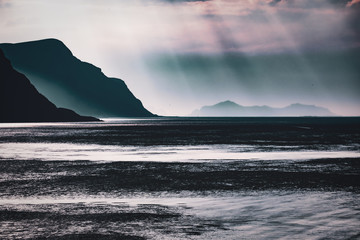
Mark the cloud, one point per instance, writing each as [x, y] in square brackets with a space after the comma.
[253, 27]
[4, 3]
[308, 4]
[274, 2]
[184, 1]
[282, 25]
[353, 2]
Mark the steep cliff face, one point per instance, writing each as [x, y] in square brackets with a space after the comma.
[21, 102]
[71, 83]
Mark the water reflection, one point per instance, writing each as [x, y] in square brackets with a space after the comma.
[202, 153]
[288, 178]
[248, 215]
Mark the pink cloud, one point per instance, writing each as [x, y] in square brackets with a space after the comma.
[352, 3]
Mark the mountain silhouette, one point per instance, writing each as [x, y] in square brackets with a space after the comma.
[68, 82]
[21, 102]
[231, 109]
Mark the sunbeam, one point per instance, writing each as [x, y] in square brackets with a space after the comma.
[176, 56]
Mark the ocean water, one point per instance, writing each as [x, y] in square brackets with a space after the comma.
[181, 178]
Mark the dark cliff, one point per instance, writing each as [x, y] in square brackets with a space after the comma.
[21, 102]
[68, 82]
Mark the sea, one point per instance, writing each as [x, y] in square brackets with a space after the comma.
[181, 178]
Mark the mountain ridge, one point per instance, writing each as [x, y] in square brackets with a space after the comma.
[21, 102]
[71, 83]
[230, 108]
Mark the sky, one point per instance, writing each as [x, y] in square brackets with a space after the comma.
[178, 55]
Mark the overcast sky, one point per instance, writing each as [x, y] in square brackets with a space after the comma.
[176, 55]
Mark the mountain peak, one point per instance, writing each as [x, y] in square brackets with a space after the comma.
[52, 41]
[227, 103]
[43, 47]
[232, 109]
[71, 83]
[300, 105]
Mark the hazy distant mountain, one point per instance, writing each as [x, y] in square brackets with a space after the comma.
[21, 102]
[229, 108]
[71, 83]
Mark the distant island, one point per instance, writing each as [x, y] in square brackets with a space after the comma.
[70, 83]
[232, 109]
[21, 102]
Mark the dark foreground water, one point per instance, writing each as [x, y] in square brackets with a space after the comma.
[178, 178]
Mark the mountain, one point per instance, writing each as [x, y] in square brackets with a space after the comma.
[231, 109]
[21, 102]
[68, 82]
